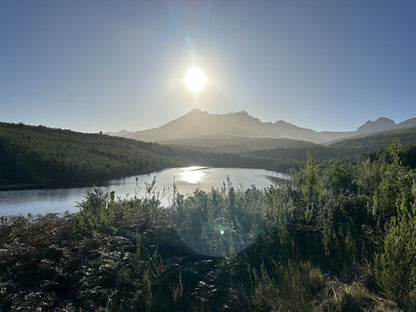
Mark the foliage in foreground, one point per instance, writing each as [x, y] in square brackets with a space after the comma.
[336, 238]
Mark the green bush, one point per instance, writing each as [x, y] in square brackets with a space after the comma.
[395, 265]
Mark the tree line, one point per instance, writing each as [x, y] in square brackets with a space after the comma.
[55, 157]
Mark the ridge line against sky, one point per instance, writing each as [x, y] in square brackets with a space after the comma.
[95, 65]
[178, 117]
[262, 121]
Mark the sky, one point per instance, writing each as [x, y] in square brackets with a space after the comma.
[110, 65]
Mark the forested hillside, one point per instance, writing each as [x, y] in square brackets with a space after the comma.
[53, 157]
[379, 140]
[42, 155]
[339, 237]
[238, 145]
[351, 149]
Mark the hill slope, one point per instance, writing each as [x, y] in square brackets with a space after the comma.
[230, 144]
[42, 155]
[378, 140]
[346, 149]
[217, 130]
[199, 123]
[381, 124]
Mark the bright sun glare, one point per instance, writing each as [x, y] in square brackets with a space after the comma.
[192, 175]
[195, 78]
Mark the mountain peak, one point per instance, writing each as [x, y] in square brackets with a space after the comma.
[200, 123]
[243, 113]
[201, 113]
[380, 124]
[196, 111]
[384, 119]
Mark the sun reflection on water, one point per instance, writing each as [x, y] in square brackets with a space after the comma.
[193, 175]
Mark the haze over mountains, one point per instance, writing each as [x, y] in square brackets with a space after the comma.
[203, 125]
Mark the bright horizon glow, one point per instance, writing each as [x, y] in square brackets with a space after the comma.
[195, 79]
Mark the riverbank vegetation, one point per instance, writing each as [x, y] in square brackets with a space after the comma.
[339, 236]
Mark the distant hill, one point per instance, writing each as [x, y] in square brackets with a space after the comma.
[45, 156]
[378, 140]
[221, 128]
[351, 148]
[53, 157]
[381, 124]
[199, 123]
[33, 156]
[231, 144]
[407, 124]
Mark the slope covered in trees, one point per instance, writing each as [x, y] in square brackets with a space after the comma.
[351, 149]
[54, 157]
[337, 237]
[43, 155]
[233, 144]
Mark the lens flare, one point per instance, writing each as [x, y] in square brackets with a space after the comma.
[216, 224]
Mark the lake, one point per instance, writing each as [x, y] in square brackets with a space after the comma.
[41, 201]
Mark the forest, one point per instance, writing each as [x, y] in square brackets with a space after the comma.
[338, 236]
[46, 156]
[350, 149]
[38, 156]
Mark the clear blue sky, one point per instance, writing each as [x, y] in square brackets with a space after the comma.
[112, 65]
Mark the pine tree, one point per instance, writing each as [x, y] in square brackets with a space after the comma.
[310, 189]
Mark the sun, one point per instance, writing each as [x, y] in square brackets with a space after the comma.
[195, 79]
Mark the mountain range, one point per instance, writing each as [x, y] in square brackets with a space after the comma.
[198, 124]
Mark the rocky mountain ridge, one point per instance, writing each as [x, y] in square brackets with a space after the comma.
[198, 123]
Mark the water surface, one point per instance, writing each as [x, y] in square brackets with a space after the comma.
[186, 179]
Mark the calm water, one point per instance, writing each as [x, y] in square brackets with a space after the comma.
[186, 180]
